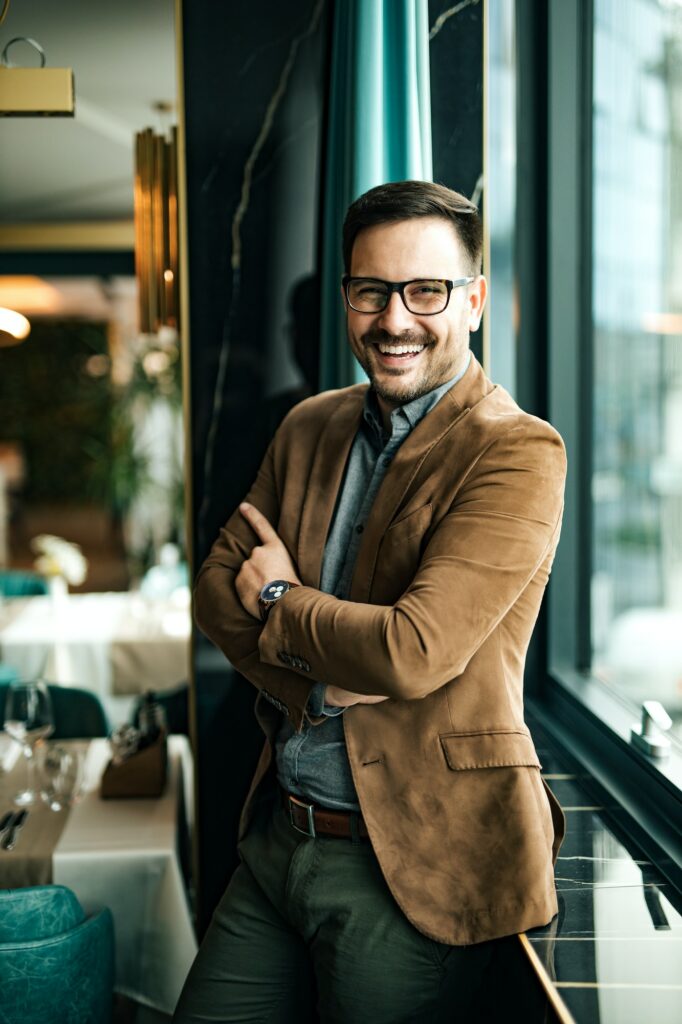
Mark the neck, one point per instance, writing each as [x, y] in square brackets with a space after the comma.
[386, 408]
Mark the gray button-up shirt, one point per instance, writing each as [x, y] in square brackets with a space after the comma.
[314, 763]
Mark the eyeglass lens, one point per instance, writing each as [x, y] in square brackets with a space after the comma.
[367, 296]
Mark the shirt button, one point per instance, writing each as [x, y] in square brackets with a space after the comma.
[359, 528]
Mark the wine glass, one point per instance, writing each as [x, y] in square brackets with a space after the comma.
[62, 776]
[28, 719]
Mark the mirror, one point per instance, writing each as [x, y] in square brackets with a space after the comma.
[93, 569]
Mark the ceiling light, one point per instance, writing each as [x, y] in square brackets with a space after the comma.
[13, 327]
[33, 92]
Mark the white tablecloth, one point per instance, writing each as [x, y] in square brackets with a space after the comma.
[123, 854]
[115, 644]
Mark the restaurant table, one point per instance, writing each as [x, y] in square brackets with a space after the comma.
[114, 644]
[127, 854]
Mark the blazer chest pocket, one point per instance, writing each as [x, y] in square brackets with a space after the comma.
[399, 555]
[499, 749]
[413, 524]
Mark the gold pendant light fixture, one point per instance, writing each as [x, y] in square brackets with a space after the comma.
[156, 230]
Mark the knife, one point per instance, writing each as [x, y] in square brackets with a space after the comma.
[5, 821]
[18, 823]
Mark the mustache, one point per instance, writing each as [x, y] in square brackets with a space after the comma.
[377, 335]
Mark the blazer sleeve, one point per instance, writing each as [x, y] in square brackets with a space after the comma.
[479, 560]
[221, 616]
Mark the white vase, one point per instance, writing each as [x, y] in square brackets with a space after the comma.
[58, 667]
[58, 587]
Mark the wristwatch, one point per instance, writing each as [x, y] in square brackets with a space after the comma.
[270, 595]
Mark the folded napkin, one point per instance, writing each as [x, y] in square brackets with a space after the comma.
[10, 752]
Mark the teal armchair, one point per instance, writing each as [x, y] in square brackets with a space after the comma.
[55, 964]
[17, 583]
[78, 714]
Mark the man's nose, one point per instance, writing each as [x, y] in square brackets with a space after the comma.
[395, 318]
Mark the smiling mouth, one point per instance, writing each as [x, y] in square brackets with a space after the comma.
[398, 350]
[393, 355]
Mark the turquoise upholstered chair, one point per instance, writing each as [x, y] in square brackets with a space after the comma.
[8, 674]
[55, 964]
[15, 583]
[78, 714]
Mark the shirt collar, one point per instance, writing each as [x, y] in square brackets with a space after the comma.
[410, 414]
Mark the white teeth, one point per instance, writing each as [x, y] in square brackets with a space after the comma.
[398, 350]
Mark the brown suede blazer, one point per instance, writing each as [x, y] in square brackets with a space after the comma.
[453, 564]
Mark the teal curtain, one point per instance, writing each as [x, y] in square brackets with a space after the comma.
[379, 131]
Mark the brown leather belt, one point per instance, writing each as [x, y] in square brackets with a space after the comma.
[313, 820]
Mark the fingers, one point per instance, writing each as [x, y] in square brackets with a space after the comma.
[337, 697]
[259, 523]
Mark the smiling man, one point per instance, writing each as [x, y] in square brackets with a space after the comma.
[411, 336]
[379, 587]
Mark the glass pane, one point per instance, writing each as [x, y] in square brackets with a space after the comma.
[637, 315]
[501, 184]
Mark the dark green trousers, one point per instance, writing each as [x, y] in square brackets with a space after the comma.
[307, 930]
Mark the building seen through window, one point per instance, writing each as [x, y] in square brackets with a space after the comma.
[637, 368]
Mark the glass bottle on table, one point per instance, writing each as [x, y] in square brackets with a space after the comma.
[28, 719]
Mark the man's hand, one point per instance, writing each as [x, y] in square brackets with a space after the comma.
[269, 561]
[337, 697]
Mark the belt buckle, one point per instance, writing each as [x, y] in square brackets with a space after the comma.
[309, 810]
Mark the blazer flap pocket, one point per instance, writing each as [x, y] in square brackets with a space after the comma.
[465, 750]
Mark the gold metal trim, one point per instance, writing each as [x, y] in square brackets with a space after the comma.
[558, 1005]
[486, 341]
[87, 236]
[182, 255]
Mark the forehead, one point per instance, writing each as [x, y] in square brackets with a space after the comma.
[419, 247]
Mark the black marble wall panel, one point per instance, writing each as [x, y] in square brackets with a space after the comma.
[456, 59]
[254, 79]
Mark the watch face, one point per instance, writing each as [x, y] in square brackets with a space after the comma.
[273, 590]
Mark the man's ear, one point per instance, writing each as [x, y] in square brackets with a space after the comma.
[477, 296]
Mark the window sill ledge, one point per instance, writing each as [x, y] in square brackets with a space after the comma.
[593, 725]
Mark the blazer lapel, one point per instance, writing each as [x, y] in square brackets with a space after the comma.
[329, 463]
[441, 421]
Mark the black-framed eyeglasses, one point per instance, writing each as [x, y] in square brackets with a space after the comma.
[424, 296]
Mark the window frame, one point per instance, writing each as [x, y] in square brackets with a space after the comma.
[581, 712]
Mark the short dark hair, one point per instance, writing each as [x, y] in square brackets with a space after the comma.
[403, 200]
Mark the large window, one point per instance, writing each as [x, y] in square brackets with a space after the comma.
[636, 578]
[613, 251]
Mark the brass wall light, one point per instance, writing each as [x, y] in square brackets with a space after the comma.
[33, 92]
[156, 230]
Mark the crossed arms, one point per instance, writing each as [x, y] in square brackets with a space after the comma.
[482, 555]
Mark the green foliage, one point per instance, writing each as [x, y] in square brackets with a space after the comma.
[77, 428]
[52, 405]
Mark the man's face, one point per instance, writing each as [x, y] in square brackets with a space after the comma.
[422, 247]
